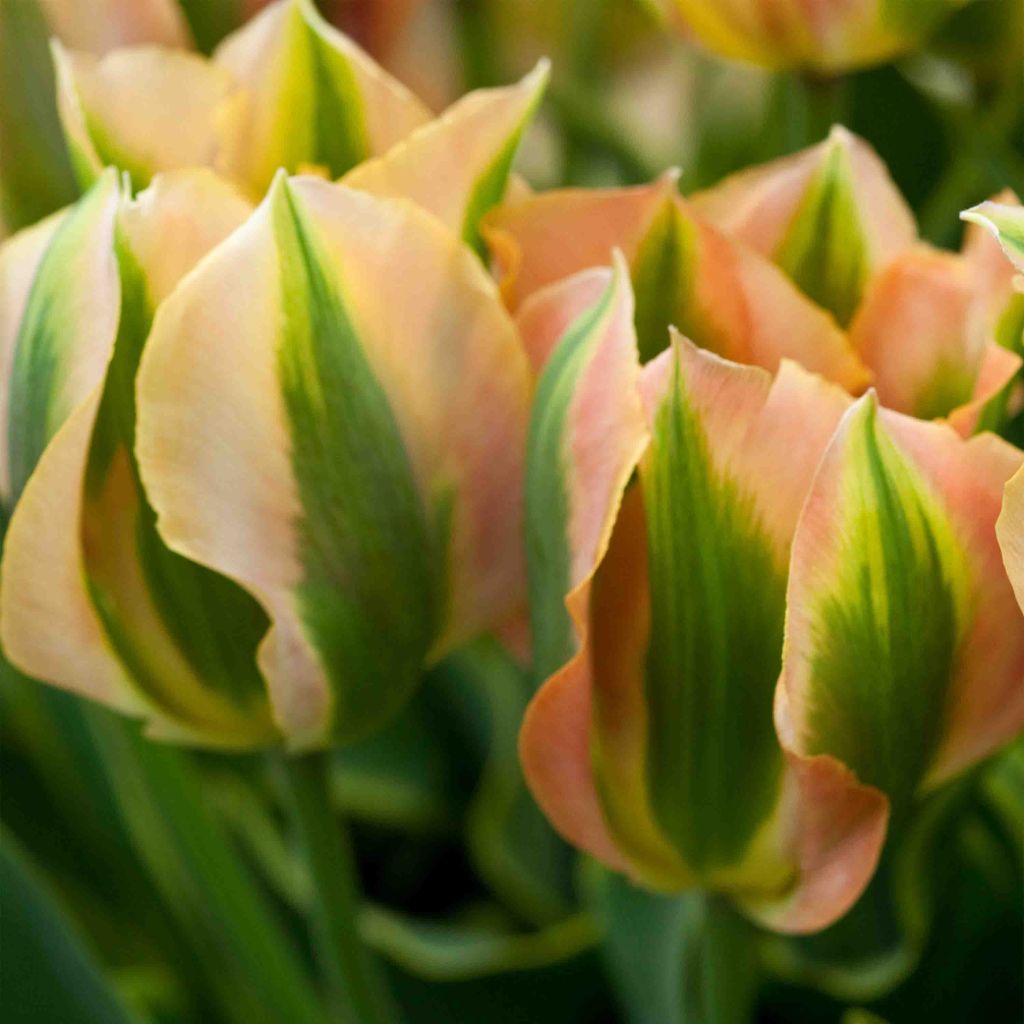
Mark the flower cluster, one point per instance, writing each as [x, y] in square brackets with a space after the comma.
[286, 389]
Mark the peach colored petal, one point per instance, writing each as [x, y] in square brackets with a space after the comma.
[1010, 530]
[758, 205]
[102, 25]
[553, 234]
[912, 328]
[442, 164]
[547, 314]
[836, 828]
[213, 438]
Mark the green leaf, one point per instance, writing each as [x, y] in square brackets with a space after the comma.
[511, 843]
[36, 177]
[248, 956]
[481, 944]
[46, 971]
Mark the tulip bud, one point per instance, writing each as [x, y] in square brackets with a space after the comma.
[1005, 222]
[685, 273]
[90, 598]
[332, 410]
[364, 492]
[651, 744]
[830, 216]
[284, 90]
[259, 105]
[937, 331]
[828, 37]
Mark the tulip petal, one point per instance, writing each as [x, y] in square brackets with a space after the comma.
[106, 24]
[1010, 529]
[19, 260]
[1006, 223]
[313, 98]
[349, 450]
[65, 329]
[457, 167]
[902, 639]
[543, 238]
[917, 331]
[586, 434]
[823, 37]
[836, 828]
[92, 601]
[685, 273]
[142, 109]
[719, 517]
[830, 216]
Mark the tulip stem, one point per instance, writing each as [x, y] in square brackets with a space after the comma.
[355, 978]
[728, 964]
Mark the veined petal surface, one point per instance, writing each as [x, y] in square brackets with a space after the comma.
[586, 434]
[350, 449]
[904, 647]
[623, 746]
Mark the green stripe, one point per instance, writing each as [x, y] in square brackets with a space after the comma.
[824, 251]
[373, 556]
[547, 506]
[887, 632]
[340, 138]
[663, 272]
[49, 326]
[215, 625]
[950, 385]
[491, 186]
[717, 606]
[320, 115]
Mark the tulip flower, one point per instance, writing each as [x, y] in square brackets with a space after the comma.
[827, 37]
[1006, 223]
[685, 273]
[317, 542]
[286, 90]
[830, 216]
[938, 331]
[91, 600]
[780, 545]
